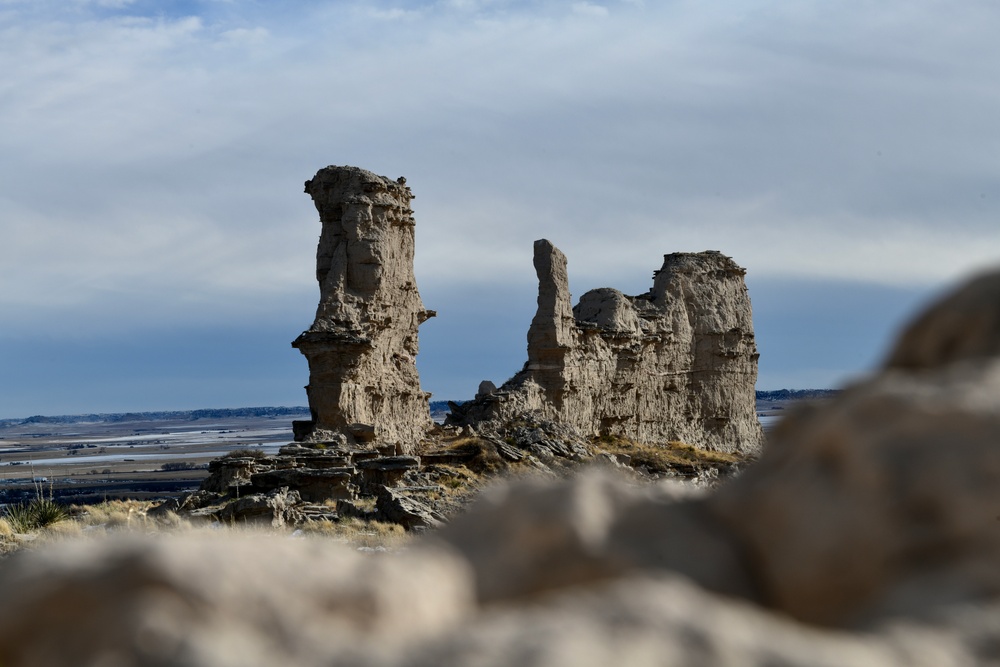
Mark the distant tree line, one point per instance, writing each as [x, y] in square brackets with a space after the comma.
[175, 466]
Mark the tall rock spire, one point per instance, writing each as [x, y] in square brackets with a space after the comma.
[361, 348]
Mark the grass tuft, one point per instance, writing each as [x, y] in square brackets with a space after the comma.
[670, 456]
[114, 513]
[359, 533]
[34, 515]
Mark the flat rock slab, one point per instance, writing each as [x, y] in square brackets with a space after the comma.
[315, 485]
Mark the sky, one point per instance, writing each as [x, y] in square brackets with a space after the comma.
[157, 250]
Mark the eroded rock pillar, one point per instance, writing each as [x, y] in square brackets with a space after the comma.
[362, 346]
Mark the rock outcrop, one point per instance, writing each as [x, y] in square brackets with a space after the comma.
[866, 534]
[678, 363]
[363, 343]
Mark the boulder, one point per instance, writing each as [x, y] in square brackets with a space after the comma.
[664, 621]
[395, 506]
[221, 600]
[314, 484]
[533, 537]
[880, 502]
[228, 472]
[385, 471]
[274, 509]
[963, 325]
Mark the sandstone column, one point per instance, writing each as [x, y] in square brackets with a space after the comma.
[361, 348]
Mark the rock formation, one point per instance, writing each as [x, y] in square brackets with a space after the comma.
[866, 534]
[676, 363]
[363, 381]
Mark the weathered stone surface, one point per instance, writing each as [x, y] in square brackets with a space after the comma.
[884, 499]
[395, 506]
[211, 600]
[536, 536]
[385, 471]
[314, 484]
[274, 509]
[363, 381]
[963, 325]
[866, 535]
[676, 363]
[228, 472]
[666, 622]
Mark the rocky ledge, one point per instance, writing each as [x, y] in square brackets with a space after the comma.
[328, 481]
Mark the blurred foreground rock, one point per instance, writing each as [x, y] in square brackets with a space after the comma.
[867, 534]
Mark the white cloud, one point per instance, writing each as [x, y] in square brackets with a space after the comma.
[167, 153]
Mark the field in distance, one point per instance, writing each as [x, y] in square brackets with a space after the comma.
[91, 458]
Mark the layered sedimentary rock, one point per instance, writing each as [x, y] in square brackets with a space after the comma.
[866, 534]
[362, 346]
[676, 363]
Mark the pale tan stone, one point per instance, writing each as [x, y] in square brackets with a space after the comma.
[882, 501]
[220, 601]
[960, 326]
[362, 346]
[676, 363]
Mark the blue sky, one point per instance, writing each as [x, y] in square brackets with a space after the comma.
[158, 250]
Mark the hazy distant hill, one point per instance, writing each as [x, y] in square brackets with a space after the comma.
[174, 415]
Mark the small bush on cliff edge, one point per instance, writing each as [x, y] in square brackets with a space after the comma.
[246, 453]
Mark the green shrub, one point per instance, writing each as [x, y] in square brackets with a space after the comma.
[47, 512]
[33, 515]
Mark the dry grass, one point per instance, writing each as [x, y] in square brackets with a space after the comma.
[483, 458]
[363, 503]
[59, 531]
[116, 514]
[363, 534]
[662, 458]
[457, 478]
